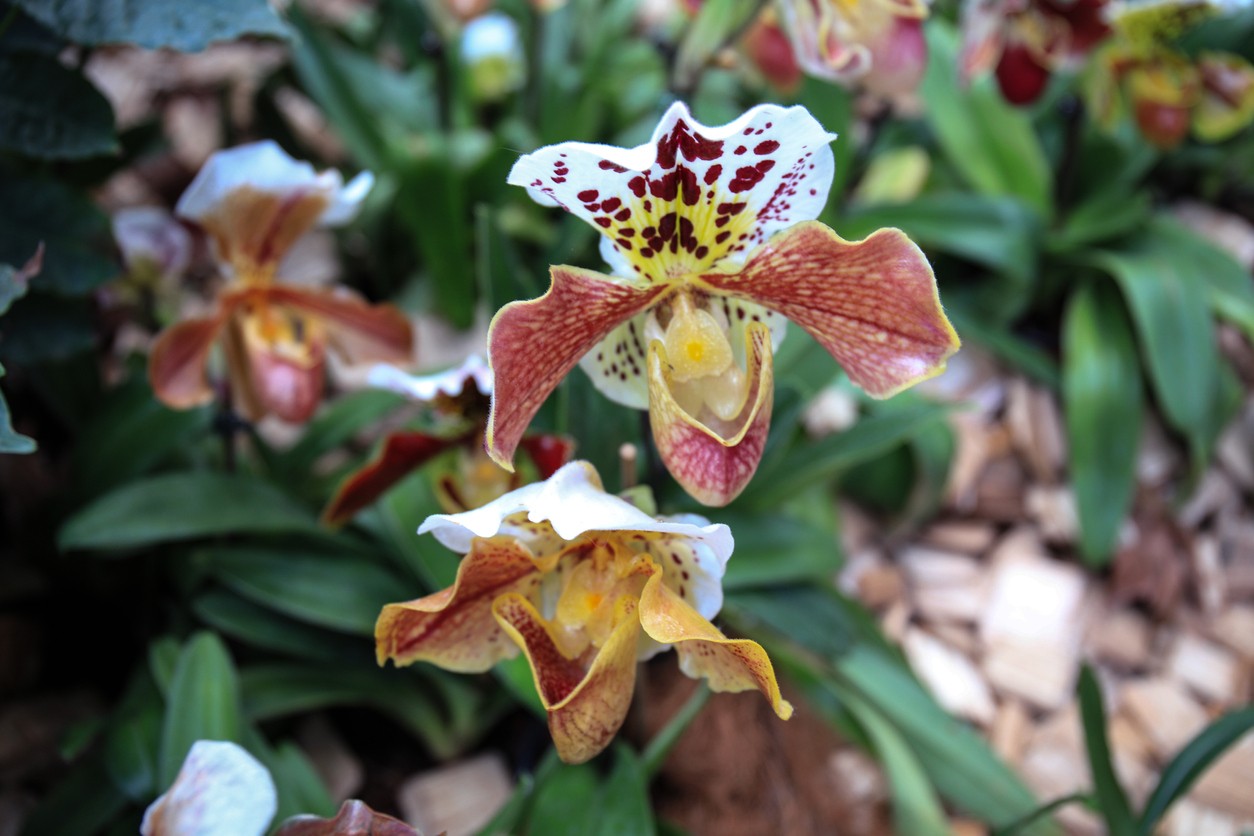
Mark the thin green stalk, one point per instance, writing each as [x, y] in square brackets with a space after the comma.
[654, 755]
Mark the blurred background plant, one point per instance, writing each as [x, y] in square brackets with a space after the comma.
[161, 587]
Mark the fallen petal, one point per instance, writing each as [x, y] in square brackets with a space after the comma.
[402, 453]
[221, 790]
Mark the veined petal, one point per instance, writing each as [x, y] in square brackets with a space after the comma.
[454, 628]
[873, 304]
[221, 790]
[361, 332]
[177, 363]
[728, 665]
[585, 709]
[712, 459]
[402, 453]
[983, 36]
[533, 345]
[255, 201]
[693, 195]
[573, 502]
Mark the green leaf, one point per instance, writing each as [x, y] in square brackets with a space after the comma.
[183, 506]
[335, 424]
[812, 463]
[1111, 800]
[1106, 214]
[75, 233]
[203, 704]
[338, 591]
[84, 801]
[12, 441]
[1102, 392]
[565, 803]
[1160, 283]
[131, 752]
[395, 519]
[916, 809]
[51, 112]
[299, 788]
[773, 549]
[989, 142]
[1000, 233]
[163, 658]
[716, 24]
[184, 25]
[264, 628]
[1231, 292]
[624, 804]
[1191, 761]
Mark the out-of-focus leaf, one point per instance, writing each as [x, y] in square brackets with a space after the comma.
[1177, 337]
[1028, 358]
[1191, 761]
[43, 328]
[336, 424]
[1111, 800]
[916, 809]
[184, 25]
[299, 788]
[572, 800]
[998, 232]
[182, 506]
[988, 141]
[72, 229]
[624, 799]
[264, 628]
[163, 658]
[339, 591]
[130, 433]
[395, 519]
[85, 801]
[203, 703]
[49, 111]
[811, 463]
[773, 548]
[1104, 216]
[1230, 290]
[717, 22]
[12, 441]
[1102, 391]
[565, 803]
[803, 613]
[131, 751]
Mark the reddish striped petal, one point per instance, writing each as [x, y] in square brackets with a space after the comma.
[548, 452]
[454, 628]
[586, 709]
[532, 345]
[361, 332]
[872, 304]
[176, 366]
[713, 459]
[402, 453]
[729, 665]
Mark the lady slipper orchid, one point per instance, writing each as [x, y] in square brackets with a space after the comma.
[876, 42]
[459, 399]
[254, 202]
[585, 584]
[709, 235]
[1026, 41]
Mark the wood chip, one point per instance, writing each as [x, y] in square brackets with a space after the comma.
[1235, 628]
[1211, 670]
[1157, 458]
[1226, 783]
[880, 586]
[950, 676]
[1235, 450]
[967, 827]
[1036, 429]
[1032, 598]
[944, 586]
[973, 538]
[1208, 574]
[1121, 638]
[859, 775]
[1038, 672]
[1188, 818]
[1053, 509]
[341, 771]
[459, 798]
[895, 620]
[1167, 715]
[1214, 493]
[1011, 727]
[999, 494]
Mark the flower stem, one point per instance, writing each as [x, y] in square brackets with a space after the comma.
[654, 755]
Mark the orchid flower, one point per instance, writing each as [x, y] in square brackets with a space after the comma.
[254, 202]
[221, 790]
[1025, 41]
[460, 396]
[709, 236]
[585, 584]
[354, 818]
[877, 42]
[1167, 92]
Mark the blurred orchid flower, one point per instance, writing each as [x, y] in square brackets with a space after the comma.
[585, 584]
[254, 202]
[709, 236]
[355, 818]
[155, 247]
[492, 51]
[1025, 41]
[221, 790]
[876, 42]
[461, 397]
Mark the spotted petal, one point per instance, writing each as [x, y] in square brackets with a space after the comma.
[729, 665]
[711, 458]
[402, 453]
[693, 195]
[872, 304]
[255, 201]
[178, 362]
[454, 628]
[573, 502]
[586, 707]
[533, 345]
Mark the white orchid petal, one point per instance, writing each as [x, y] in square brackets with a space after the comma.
[221, 790]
